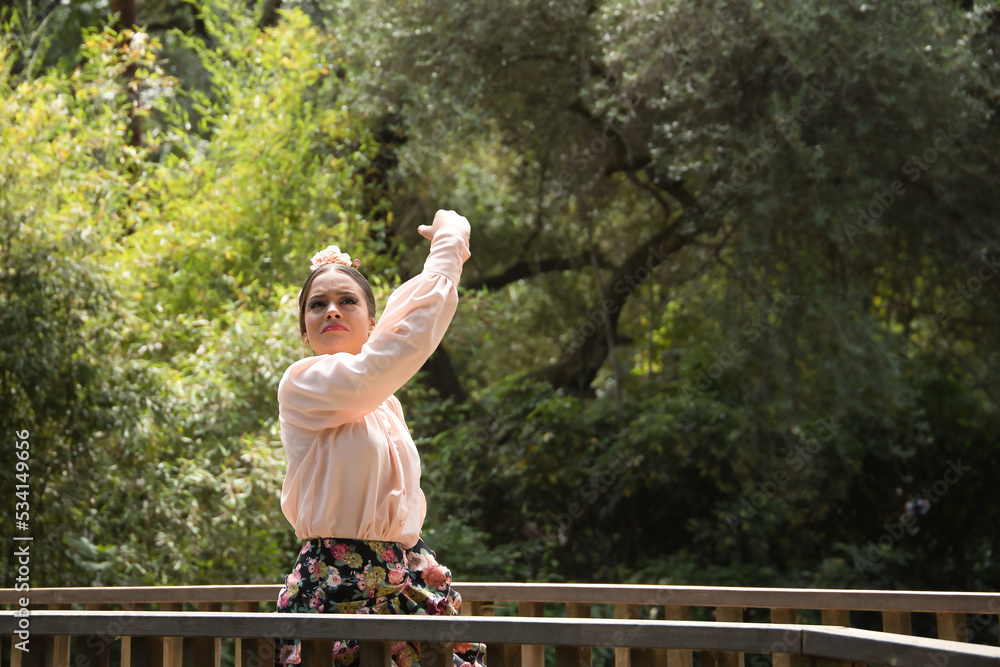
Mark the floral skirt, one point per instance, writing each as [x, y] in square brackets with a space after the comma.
[338, 576]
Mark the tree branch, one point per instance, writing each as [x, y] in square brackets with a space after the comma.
[527, 269]
[438, 373]
[587, 351]
[668, 210]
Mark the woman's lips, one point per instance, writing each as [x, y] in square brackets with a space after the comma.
[333, 327]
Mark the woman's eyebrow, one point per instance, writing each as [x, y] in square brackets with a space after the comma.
[341, 292]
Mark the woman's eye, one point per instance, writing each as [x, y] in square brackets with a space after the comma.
[349, 301]
[316, 304]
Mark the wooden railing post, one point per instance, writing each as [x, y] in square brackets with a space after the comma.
[16, 655]
[253, 651]
[649, 657]
[725, 658]
[375, 654]
[897, 622]
[142, 651]
[840, 617]
[173, 647]
[952, 627]
[319, 652]
[93, 650]
[127, 641]
[532, 655]
[652, 657]
[56, 649]
[436, 654]
[575, 656]
[783, 616]
[678, 657]
[208, 650]
[623, 654]
[505, 655]
[19, 658]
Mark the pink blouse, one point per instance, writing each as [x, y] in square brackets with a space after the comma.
[353, 470]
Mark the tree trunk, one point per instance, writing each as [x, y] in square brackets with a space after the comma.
[439, 375]
[269, 15]
[125, 10]
[587, 350]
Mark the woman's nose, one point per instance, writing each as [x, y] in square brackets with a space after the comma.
[332, 312]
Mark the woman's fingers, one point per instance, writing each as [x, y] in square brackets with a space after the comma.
[450, 220]
[444, 220]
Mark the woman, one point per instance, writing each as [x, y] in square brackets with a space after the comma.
[352, 489]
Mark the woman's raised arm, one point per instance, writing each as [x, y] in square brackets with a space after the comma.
[327, 390]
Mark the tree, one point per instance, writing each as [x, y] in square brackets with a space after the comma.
[731, 212]
[144, 366]
[65, 384]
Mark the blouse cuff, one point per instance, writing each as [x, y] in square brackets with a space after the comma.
[449, 250]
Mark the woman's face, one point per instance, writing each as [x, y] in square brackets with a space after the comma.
[336, 314]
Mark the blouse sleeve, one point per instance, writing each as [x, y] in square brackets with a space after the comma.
[327, 390]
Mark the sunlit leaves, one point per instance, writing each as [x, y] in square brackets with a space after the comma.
[145, 293]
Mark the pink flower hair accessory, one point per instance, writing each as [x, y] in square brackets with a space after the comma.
[331, 255]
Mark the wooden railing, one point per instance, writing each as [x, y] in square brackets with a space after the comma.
[651, 628]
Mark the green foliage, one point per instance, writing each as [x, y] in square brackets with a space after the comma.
[218, 266]
[236, 216]
[765, 129]
[149, 292]
[67, 183]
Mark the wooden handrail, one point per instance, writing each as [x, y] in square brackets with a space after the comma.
[703, 596]
[842, 644]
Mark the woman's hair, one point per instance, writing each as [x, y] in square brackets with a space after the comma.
[362, 282]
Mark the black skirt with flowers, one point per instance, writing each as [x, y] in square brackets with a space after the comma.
[338, 576]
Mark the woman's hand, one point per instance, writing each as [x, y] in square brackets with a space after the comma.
[445, 220]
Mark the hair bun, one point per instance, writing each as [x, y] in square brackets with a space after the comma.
[331, 255]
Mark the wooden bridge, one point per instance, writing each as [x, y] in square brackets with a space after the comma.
[652, 627]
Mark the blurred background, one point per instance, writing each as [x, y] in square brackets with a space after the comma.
[731, 315]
